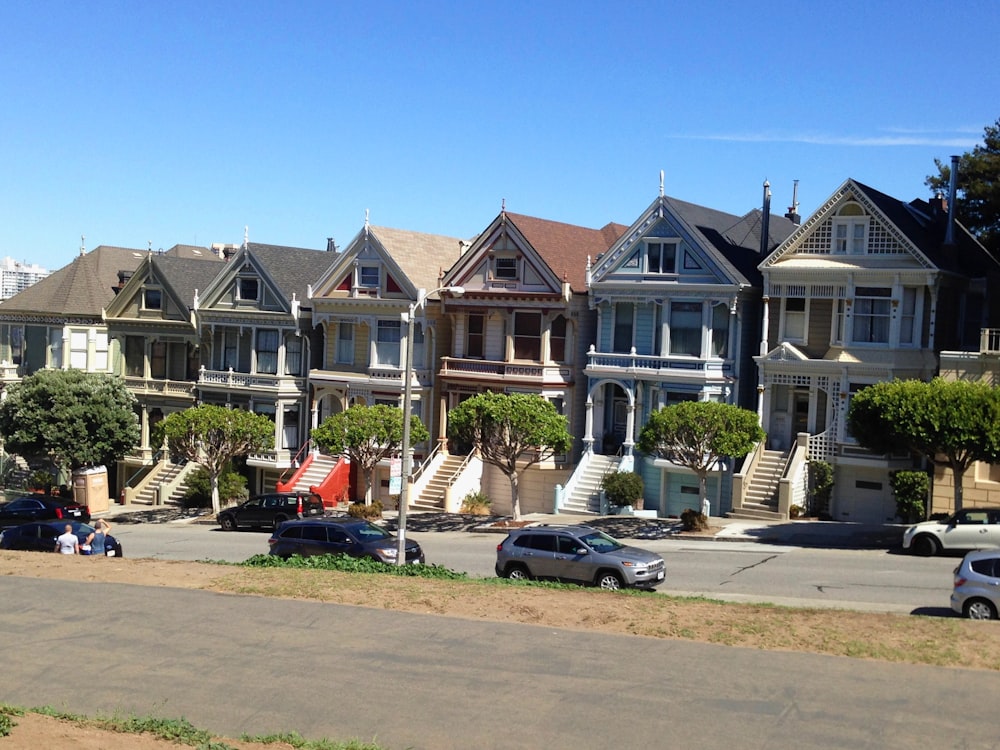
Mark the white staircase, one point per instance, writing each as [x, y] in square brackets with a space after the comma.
[166, 475]
[761, 501]
[431, 497]
[585, 495]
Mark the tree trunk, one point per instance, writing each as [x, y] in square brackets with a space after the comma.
[216, 504]
[703, 493]
[515, 497]
[369, 484]
[958, 477]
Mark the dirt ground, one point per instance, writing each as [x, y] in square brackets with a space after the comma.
[928, 640]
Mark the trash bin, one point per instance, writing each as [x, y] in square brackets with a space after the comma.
[90, 488]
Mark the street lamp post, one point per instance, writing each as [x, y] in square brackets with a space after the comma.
[404, 489]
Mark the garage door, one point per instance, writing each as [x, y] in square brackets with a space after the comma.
[864, 501]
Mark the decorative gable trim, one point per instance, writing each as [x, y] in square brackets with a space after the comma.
[785, 352]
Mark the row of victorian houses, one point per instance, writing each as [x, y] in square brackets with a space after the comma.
[785, 317]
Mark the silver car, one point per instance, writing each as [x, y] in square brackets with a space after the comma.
[971, 528]
[581, 554]
[976, 593]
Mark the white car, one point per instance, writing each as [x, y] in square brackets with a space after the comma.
[972, 528]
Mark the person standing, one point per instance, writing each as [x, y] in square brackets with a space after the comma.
[67, 543]
[101, 530]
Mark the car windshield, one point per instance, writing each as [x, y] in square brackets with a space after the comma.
[370, 532]
[601, 542]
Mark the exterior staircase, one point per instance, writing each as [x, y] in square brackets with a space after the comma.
[761, 503]
[318, 470]
[166, 475]
[585, 496]
[432, 497]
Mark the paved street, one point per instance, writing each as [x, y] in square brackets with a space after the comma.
[237, 664]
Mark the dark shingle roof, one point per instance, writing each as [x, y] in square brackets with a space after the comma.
[186, 275]
[293, 269]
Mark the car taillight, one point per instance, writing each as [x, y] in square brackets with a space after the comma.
[58, 512]
[959, 581]
[298, 508]
[272, 541]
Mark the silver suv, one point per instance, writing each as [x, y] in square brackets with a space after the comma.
[581, 554]
[976, 593]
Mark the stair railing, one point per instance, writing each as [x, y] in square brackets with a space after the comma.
[463, 481]
[743, 477]
[298, 465]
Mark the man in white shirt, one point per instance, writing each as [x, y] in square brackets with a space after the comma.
[67, 543]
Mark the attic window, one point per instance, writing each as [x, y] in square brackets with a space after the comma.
[505, 268]
[850, 230]
[368, 277]
[152, 299]
[247, 290]
[661, 257]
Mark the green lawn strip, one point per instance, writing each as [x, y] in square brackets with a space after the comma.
[179, 731]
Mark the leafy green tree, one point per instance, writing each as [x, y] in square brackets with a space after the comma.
[212, 436]
[368, 434]
[512, 432]
[699, 435]
[910, 489]
[979, 184]
[69, 418]
[198, 487]
[950, 423]
[622, 487]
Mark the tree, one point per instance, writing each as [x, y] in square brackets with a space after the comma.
[512, 432]
[949, 423]
[69, 418]
[212, 436]
[368, 434]
[699, 435]
[979, 183]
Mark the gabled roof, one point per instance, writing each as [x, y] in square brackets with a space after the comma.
[185, 276]
[566, 248]
[78, 290]
[411, 258]
[915, 225]
[732, 241]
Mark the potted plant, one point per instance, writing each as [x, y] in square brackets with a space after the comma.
[623, 489]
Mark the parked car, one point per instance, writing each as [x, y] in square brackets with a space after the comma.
[41, 508]
[340, 535]
[581, 554]
[971, 528]
[40, 536]
[270, 510]
[976, 593]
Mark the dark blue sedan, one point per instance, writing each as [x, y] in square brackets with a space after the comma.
[41, 536]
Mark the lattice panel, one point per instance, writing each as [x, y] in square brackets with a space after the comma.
[820, 241]
[880, 242]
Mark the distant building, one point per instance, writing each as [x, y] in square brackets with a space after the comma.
[16, 276]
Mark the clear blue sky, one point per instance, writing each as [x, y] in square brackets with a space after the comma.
[181, 122]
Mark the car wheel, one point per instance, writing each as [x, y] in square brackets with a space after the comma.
[278, 520]
[979, 609]
[517, 573]
[608, 580]
[228, 523]
[925, 546]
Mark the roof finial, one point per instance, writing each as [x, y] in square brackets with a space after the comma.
[149, 247]
[246, 236]
[83, 244]
[503, 206]
[661, 183]
[366, 219]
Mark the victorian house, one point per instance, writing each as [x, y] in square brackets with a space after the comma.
[153, 331]
[360, 304]
[678, 309]
[255, 328]
[868, 288]
[524, 325]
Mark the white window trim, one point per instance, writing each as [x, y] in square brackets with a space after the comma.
[783, 333]
[661, 242]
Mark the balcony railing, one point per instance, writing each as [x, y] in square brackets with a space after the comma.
[654, 364]
[250, 381]
[152, 386]
[989, 341]
[487, 368]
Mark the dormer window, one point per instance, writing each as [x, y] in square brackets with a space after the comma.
[505, 268]
[247, 290]
[661, 257]
[368, 277]
[152, 299]
[850, 231]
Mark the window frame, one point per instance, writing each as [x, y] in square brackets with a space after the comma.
[661, 245]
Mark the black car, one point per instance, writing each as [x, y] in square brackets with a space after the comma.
[41, 536]
[41, 508]
[342, 535]
[271, 510]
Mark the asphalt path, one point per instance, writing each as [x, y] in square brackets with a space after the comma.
[869, 580]
[236, 664]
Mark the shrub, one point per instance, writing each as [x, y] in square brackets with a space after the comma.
[794, 511]
[476, 503]
[622, 488]
[372, 512]
[694, 520]
[820, 488]
[198, 488]
[910, 489]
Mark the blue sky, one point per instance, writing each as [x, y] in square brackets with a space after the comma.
[183, 122]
